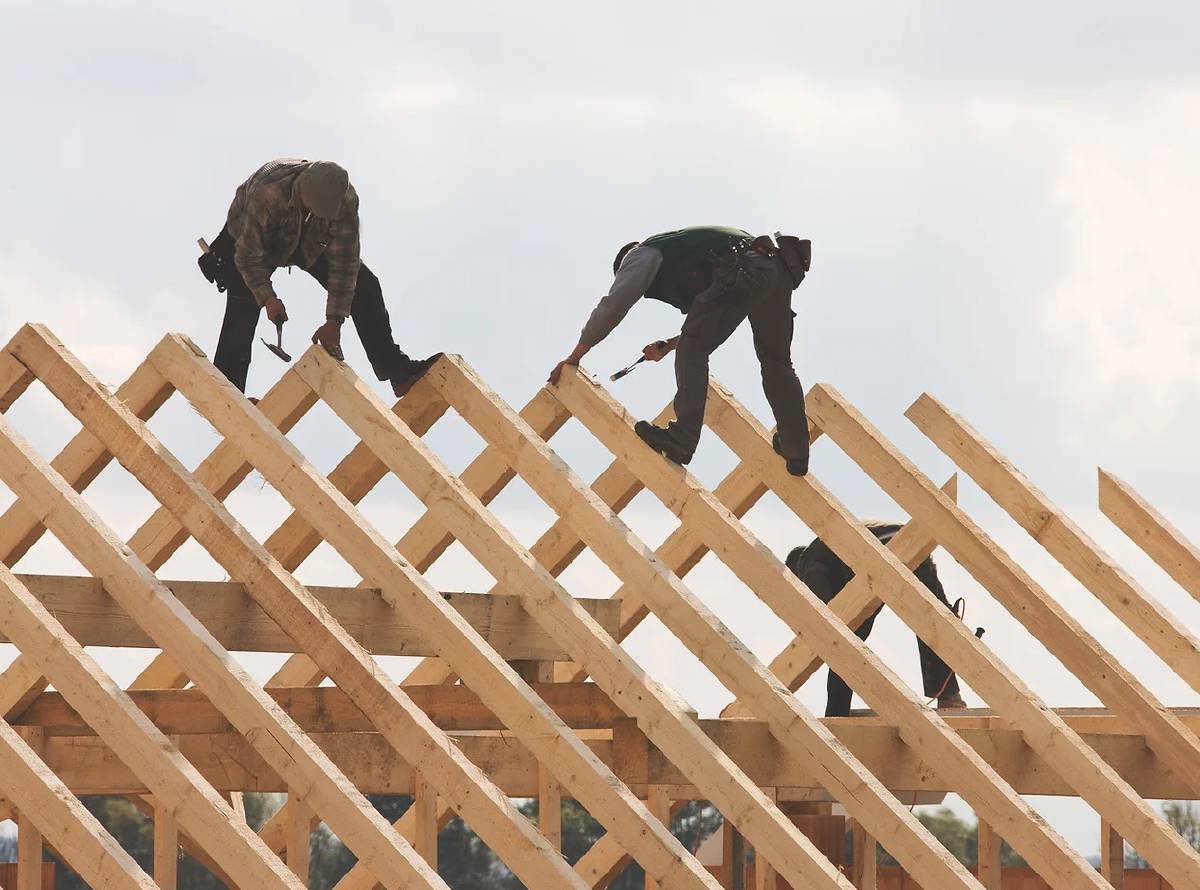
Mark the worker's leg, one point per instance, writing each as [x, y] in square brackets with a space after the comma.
[714, 316]
[772, 321]
[232, 357]
[838, 693]
[936, 676]
[371, 321]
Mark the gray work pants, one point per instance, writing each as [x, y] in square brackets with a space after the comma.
[759, 288]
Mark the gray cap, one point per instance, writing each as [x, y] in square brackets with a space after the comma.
[322, 186]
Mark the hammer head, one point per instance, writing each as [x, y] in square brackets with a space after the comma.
[278, 350]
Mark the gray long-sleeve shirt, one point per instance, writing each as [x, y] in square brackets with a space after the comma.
[632, 281]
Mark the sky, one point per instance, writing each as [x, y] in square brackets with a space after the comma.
[999, 199]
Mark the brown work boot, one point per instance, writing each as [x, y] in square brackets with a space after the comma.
[951, 702]
[662, 442]
[402, 381]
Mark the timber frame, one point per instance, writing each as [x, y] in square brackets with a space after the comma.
[529, 662]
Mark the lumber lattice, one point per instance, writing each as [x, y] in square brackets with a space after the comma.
[525, 690]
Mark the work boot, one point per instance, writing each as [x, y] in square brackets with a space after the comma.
[662, 442]
[797, 466]
[410, 372]
[951, 702]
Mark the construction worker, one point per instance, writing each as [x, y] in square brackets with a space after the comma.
[825, 575]
[717, 277]
[300, 213]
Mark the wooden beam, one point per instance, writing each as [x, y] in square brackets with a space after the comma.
[864, 869]
[610, 803]
[161, 767]
[1047, 524]
[29, 838]
[88, 766]
[48, 808]
[1112, 855]
[20, 684]
[854, 604]
[989, 847]
[329, 709]
[166, 849]
[992, 798]
[145, 804]
[486, 810]
[672, 727]
[298, 821]
[1150, 530]
[224, 469]
[92, 616]
[425, 822]
[659, 804]
[1047, 620]
[289, 751]
[864, 797]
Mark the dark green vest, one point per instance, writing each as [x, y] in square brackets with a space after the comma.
[689, 256]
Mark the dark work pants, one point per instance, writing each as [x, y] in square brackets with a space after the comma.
[762, 292]
[368, 312]
[936, 676]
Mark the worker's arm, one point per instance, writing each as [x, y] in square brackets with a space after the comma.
[249, 256]
[342, 253]
[632, 281]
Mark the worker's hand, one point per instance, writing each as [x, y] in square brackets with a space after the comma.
[329, 335]
[573, 360]
[658, 350]
[557, 372]
[276, 311]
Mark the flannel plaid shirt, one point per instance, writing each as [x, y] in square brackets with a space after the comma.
[270, 231]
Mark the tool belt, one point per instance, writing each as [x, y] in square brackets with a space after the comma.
[217, 265]
[796, 253]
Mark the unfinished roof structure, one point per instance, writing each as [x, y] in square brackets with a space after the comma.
[527, 662]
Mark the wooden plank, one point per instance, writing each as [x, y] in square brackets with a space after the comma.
[764, 874]
[549, 807]
[1047, 620]
[425, 822]
[864, 870]
[289, 751]
[14, 380]
[145, 804]
[1112, 855]
[329, 709]
[20, 684]
[864, 797]
[48, 808]
[299, 836]
[609, 802]
[93, 617]
[1047, 524]
[148, 752]
[659, 804]
[166, 849]
[29, 838]
[989, 847]
[993, 799]
[854, 604]
[1150, 530]
[358, 878]
[380, 564]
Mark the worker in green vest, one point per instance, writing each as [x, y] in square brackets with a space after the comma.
[718, 277]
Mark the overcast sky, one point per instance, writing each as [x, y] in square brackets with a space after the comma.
[1001, 204]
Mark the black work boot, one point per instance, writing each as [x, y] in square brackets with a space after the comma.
[662, 442]
[797, 466]
[402, 381]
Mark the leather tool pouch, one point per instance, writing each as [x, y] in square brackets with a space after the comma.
[797, 256]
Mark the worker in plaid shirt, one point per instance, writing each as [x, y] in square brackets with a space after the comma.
[300, 213]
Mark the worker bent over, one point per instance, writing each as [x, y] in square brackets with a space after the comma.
[300, 213]
[825, 575]
[718, 277]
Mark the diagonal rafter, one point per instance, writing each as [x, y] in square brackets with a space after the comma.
[1150, 530]
[692, 622]
[1045, 618]
[405, 726]
[62, 819]
[496, 683]
[1162, 632]
[993, 799]
[126, 730]
[666, 722]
